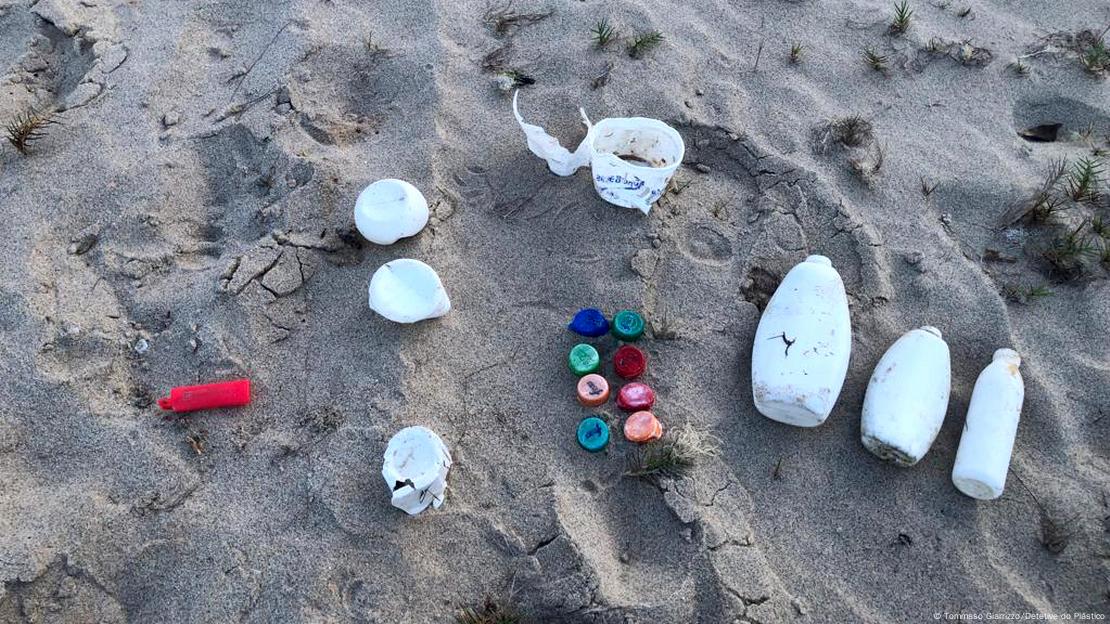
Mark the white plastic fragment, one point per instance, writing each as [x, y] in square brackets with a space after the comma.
[407, 291]
[987, 443]
[802, 346]
[389, 210]
[907, 397]
[632, 158]
[415, 469]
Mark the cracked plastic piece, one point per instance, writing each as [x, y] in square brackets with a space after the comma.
[389, 210]
[987, 443]
[207, 396]
[632, 158]
[407, 291]
[802, 346]
[415, 469]
[907, 397]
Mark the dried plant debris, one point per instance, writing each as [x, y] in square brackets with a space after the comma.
[643, 43]
[674, 455]
[602, 79]
[503, 19]
[510, 79]
[28, 127]
[498, 59]
[867, 167]
[603, 33]
[1019, 67]
[1070, 252]
[963, 52]
[850, 131]
[902, 17]
[490, 612]
[796, 52]
[1088, 47]
[1084, 179]
[874, 60]
[1025, 294]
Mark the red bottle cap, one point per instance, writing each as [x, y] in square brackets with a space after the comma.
[207, 396]
[635, 397]
[593, 390]
[629, 362]
[642, 427]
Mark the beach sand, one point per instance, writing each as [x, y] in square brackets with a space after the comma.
[189, 219]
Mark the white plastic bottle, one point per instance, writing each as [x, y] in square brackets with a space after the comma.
[907, 397]
[983, 458]
[802, 346]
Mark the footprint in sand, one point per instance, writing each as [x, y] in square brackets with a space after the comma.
[705, 245]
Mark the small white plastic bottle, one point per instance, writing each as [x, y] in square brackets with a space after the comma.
[802, 346]
[983, 458]
[907, 397]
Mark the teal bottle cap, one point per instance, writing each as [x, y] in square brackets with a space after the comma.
[628, 325]
[584, 359]
[593, 434]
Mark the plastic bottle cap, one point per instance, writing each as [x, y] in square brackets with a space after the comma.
[593, 390]
[593, 434]
[628, 325]
[207, 396]
[629, 362]
[635, 397]
[589, 322]
[642, 427]
[584, 359]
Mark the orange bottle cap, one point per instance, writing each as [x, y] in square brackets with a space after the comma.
[642, 427]
[593, 390]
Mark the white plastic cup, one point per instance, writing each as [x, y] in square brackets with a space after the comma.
[983, 458]
[632, 160]
[907, 397]
[415, 469]
[802, 346]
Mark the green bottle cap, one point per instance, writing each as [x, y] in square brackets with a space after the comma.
[593, 434]
[584, 359]
[628, 325]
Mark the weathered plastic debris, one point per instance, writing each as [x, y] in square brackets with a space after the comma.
[907, 397]
[983, 458]
[407, 291]
[389, 210]
[415, 469]
[802, 346]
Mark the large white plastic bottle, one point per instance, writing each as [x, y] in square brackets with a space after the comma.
[802, 346]
[983, 458]
[907, 397]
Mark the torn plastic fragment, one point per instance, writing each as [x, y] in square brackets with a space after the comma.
[415, 469]
[632, 158]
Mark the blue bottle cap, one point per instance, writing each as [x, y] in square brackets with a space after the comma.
[589, 322]
[593, 434]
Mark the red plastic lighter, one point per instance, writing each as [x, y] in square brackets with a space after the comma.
[207, 396]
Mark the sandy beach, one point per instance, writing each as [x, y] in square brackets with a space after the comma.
[186, 216]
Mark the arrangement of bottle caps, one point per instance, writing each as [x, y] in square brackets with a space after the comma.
[800, 359]
[629, 363]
